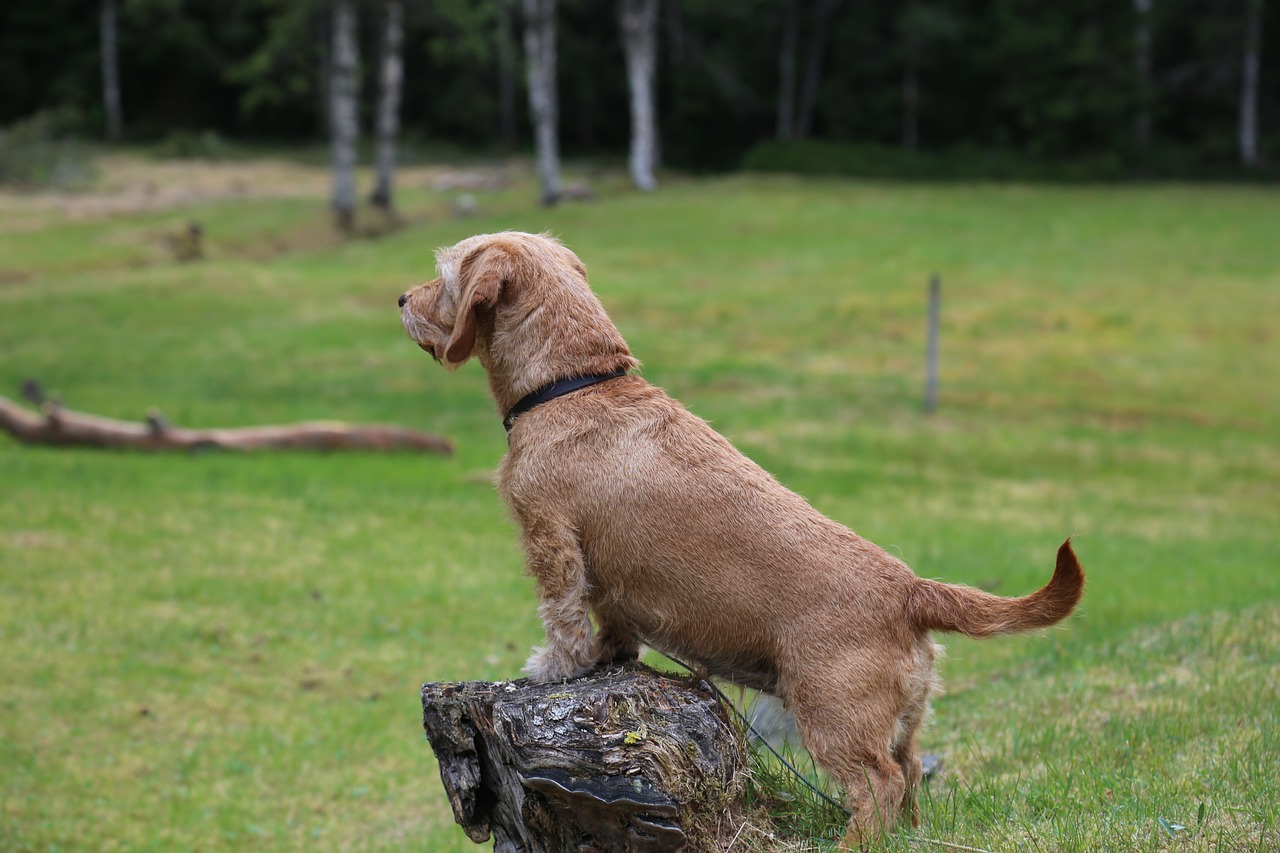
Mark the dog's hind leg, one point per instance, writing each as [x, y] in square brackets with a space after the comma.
[555, 561]
[906, 752]
[848, 727]
[919, 683]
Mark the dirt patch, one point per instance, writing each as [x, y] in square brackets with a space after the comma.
[129, 184]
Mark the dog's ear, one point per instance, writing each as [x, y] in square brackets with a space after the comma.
[480, 278]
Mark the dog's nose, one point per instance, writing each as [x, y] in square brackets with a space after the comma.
[404, 297]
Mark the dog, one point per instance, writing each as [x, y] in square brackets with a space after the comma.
[637, 514]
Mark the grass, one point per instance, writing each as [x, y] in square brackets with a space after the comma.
[224, 651]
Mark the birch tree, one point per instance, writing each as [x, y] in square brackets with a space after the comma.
[1249, 83]
[540, 56]
[343, 120]
[639, 39]
[108, 34]
[390, 84]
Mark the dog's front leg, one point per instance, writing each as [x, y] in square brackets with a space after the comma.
[555, 560]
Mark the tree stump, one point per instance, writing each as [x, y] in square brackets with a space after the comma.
[623, 759]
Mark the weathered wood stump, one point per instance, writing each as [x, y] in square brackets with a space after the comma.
[624, 759]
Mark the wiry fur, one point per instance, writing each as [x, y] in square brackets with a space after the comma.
[636, 512]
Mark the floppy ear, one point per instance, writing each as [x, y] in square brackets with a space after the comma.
[480, 281]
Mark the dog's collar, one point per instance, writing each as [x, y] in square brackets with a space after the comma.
[555, 389]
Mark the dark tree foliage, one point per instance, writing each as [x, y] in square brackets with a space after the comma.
[1046, 82]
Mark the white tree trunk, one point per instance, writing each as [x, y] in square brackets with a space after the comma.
[639, 39]
[344, 127]
[390, 84]
[1249, 83]
[110, 70]
[540, 54]
[1142, 71]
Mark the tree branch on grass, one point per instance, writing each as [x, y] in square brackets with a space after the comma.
[60, 427]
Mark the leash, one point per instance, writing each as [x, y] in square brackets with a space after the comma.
[551, 390]
[726, 702]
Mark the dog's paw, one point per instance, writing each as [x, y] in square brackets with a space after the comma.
[552, 664]
[611, 647]
[626, 654]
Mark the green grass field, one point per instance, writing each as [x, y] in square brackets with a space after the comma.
[224, 652]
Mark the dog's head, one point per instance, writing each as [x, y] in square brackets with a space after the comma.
[442, 315]
[521, 303]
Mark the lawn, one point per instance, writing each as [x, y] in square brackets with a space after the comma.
[224, 652]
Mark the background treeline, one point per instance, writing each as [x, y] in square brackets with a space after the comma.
[1095, 88]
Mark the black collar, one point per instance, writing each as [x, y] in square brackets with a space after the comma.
[555, 389]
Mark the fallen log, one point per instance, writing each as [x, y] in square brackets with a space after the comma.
[625, 758]
[57, 426]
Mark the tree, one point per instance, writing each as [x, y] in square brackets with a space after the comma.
[344, 127]
[1142, 72]
[506, 52]
[920, 26]
[1056, 79]
[1088, 84]
[796, 107]
[540, 55]
[282, 78]
[389, 87]
[787, 71]
[639, 37]
[820, 26]
[110, 70]
[1249, 83]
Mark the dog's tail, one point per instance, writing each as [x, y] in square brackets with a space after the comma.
[946, 607]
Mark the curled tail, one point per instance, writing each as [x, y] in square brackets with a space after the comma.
[945, 607]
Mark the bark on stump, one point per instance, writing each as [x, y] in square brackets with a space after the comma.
[624, 759]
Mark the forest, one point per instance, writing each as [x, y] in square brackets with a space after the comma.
[929, 88]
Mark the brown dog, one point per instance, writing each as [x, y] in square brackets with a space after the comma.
[636, 511]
